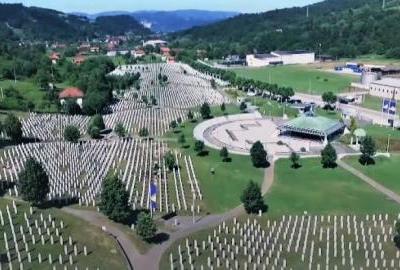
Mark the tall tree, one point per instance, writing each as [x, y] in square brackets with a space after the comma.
[368, 150]
[258, 155]
[145, 227]
[199, 147]
[252, 198]
[33, 182]
[72, 134]
[295, 159]
[328, 156]
[205, 111]
[224, 154]
[13, 128]
[115, 199]
[120, 130]
[169, 161]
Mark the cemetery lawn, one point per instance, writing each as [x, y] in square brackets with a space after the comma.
[222, 190]
[301, 78]
[102, 250]
[322, 191]
[385, 171]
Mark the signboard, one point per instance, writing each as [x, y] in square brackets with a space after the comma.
[389, 106]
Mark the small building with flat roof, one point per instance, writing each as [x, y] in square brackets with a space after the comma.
[313, 126]
[385, 88]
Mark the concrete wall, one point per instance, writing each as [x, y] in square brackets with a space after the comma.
[383, 91]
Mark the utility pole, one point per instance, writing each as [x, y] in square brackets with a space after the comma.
[383, 4]
[309, 13]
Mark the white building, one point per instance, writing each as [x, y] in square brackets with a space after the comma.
[385, 88]
[280, 57]
[155, 43]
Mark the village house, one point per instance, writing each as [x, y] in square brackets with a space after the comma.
[71, 93]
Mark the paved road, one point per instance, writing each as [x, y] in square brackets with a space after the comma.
[151, 260]
[390, 194]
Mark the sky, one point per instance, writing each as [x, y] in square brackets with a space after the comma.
[94, 6]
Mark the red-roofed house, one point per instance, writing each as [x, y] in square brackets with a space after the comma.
[79, 59]
[54, 57]
[71, 93]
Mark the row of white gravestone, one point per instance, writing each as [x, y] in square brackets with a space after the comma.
[77, 171]
[183, 91]
[313, 242]
[27, 240]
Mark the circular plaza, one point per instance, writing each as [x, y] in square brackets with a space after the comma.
[239, 132]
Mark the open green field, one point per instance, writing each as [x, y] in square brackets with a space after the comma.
[385, 171]
[102, 250]
[381, 135]
[273, 108]
[373, 103]
[300, 77]
[26, 92]
[223, 189]
[373, 59]
[322, 191]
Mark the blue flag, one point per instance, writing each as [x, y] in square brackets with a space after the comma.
[153, 196]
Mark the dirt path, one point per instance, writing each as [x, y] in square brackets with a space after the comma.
[390, 194]
[151, 260]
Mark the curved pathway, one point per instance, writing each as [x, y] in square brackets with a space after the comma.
[151, 260]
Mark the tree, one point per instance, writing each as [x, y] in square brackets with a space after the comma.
[33, 182]
[173, 124]
[258, 155]
[169, 161]
[353, 125]
[182, 139]
[243, 106]
[329, 98]
[223, 107]
[145, 99]
[143, 132]
[252, 198]
[213, 84]
[94, 132]
[145, 227]
[115, 199]
[224, 154]
[97, 121]
[199, 147]
[205, 111]
[190, 115]
[72, 134]
[396, 238]
[120, 130]
[328, 156]
[295, 158]
[13, 128]
[368, 150]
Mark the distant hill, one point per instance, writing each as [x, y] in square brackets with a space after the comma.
[337, 27]
[170, 21]
[32, 23]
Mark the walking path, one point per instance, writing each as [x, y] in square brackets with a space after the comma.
[390, 194]
[151, 260]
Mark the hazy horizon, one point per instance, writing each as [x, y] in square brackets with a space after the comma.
[100, 6]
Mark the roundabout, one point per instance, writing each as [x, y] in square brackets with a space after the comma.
[239, 132]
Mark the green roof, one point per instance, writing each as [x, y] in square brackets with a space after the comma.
[313, 125]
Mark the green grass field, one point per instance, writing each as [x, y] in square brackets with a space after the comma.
[381, 135]
[26, 92]
[322, 191]
[385, 171]
[103, 250]
[301, 78]
[273, 108]
[373, 103]
[223, 189]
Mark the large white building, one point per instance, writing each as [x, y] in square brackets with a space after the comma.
[155, 43]
[280, 57]
[385, 88]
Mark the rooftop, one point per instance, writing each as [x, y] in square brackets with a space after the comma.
[71, 92]
[291, 52]
[264, 55]
[313, 125]
[391, 82]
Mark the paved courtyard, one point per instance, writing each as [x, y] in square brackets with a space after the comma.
[239, 132]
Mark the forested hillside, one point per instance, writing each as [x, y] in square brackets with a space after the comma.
[32, 23]
[337, 27]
